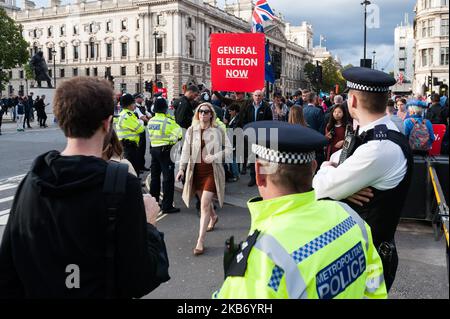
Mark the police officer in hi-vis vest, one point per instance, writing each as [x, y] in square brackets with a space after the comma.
[164, 133]
[128, 129]
[373, 170]
[298, 247]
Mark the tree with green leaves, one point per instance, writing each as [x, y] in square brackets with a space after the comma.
[13, 47]
[331, 75]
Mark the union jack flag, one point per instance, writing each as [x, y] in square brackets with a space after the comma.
[262, 12]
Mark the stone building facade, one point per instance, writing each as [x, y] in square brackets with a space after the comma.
[120, 37]
[431, 32]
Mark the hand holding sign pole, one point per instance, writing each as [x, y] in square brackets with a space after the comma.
[237, 61]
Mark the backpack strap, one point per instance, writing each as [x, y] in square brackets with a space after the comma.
[114, 188]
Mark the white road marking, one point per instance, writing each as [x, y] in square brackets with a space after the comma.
[7, 186]
[6, 199]
[158, 219]
[4, 212]
[4, 220]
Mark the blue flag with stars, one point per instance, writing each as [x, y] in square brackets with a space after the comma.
[270, 76]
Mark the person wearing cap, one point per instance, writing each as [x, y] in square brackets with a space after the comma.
[141, 113]
[164, 133]
[373, 170]
[298, 247]
[128, 129]
[298, 100]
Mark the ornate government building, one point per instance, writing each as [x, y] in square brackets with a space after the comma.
[119, 38]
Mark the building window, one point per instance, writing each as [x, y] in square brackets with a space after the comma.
[123, 70]
[75, 30]
[21, 74]
[426, 4]
[158, 68]
[95, 71]
[427, 57]
[50, 54]
[444, 56]
[444, 3]
[75, 71]
[444, 27]
[62, 30]
[108, 71]
[431, 27]
[75, 52]
[123, 87]
[159, 19]
[191, 48]
[50, 31]
[189, 22]
[124, 50]
[159, 45]
[138, 48]
[108, 26]
[88, 71]
[108, 50]
[50, 72]
[62, 53]
[92, 49]
[62, 73]
[123, 25]
[191, 70]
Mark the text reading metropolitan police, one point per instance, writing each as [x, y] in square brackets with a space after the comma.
[232, 73]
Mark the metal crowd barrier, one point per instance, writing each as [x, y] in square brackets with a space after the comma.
[440, 215]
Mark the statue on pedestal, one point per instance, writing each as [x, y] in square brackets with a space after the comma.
[40, 69]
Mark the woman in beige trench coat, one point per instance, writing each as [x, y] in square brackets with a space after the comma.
[201, 166]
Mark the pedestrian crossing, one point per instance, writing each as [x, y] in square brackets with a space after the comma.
[8, 188]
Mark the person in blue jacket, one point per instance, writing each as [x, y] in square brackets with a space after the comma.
[415, 112]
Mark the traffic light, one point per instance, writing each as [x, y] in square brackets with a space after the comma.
[319, 74]
[148, 86]
[430, 83]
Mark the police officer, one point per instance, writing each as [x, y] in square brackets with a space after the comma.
[128, 129]
[299, 247]
[374, 168]
[142, 114]
[164, 132]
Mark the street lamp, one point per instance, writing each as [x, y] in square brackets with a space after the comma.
[140, 77]
[374, 54]
[155, 34]
[365, 4]
[54, 66]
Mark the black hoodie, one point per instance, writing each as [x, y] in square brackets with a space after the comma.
[58, 218]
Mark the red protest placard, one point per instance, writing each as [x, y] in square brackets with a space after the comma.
[237, 61]
[439, 132]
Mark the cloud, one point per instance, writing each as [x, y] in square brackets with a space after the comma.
[341, 22]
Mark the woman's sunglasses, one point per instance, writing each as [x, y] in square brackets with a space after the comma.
[204, 111]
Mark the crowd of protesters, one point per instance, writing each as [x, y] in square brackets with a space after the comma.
[22, 110]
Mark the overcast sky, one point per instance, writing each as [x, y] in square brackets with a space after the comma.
[341, 23]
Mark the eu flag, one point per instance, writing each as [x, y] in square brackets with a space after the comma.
[270, 76]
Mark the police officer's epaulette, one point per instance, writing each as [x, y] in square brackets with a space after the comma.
[238, 264]
[380, 132]
[130, 114]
